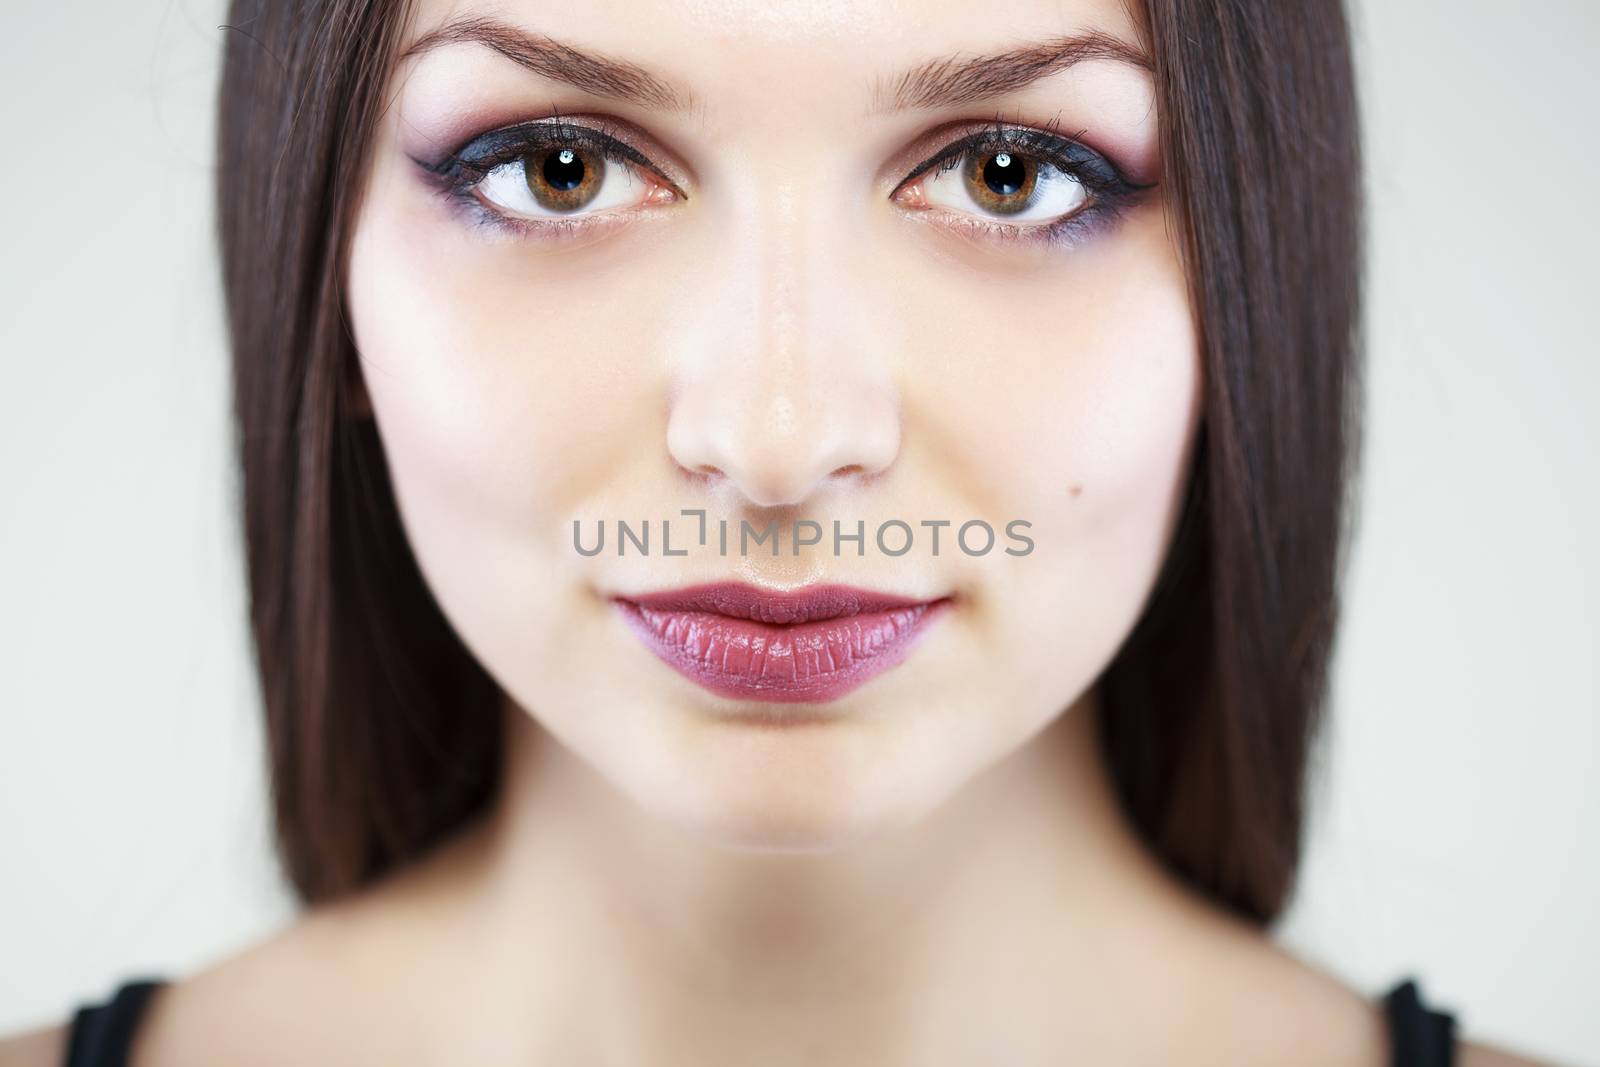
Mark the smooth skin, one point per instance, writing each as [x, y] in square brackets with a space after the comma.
[934, 873]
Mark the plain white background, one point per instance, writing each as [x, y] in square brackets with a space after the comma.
[1456, 829]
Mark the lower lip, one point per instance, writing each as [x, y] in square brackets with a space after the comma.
[809, 662]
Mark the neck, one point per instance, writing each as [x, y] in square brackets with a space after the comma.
[1022, 878]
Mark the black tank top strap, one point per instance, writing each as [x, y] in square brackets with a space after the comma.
[1421, 1036]
[101, 1034]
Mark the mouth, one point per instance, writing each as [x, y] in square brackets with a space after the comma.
[808, 645]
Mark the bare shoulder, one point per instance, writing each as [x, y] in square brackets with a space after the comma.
[1475, 1055]
[44, 1046]
[1249, 1001]
[1296, 1011]
[186, 1014]
[320, 990]
[1326, 1021]
[264, 1004]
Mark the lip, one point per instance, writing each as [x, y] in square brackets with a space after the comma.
[807, 645]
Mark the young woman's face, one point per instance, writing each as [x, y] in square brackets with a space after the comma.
[618, 261]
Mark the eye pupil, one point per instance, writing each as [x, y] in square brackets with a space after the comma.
[563, 170]
[1003, 175]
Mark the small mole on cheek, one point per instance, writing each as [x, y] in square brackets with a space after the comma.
[1077, 490]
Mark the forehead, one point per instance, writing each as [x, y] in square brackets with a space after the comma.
[702, 56]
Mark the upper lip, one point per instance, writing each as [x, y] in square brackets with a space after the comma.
[740, 600]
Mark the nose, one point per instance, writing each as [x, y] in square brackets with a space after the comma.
[782, 387]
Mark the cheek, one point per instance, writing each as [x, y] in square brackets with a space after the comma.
[1104, 434]
[1070, 394]
[505, 386]
[1080, 419]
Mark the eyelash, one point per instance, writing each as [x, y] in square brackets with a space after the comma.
[1110, 193]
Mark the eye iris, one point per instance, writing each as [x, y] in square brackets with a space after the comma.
[564, 180]
[1001, 181]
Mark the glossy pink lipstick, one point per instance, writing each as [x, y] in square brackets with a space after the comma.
[807, 645]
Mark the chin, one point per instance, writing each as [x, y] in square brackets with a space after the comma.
[819, 787]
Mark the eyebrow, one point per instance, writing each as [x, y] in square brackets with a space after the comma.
[948, 81]
[589, 71]
[951, 81]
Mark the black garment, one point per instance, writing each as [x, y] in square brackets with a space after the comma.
[1419, 1036]
[101, 1033]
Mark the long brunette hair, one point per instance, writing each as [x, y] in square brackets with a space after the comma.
[384, 731]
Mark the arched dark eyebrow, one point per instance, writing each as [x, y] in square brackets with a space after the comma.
[949, 81]
[952, 81]
[589, 71]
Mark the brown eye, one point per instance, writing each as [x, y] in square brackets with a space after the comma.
[562, 179]
[1001, 182]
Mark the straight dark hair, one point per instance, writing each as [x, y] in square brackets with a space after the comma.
[384, 733]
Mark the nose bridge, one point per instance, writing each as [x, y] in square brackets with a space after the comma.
[782, 394]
